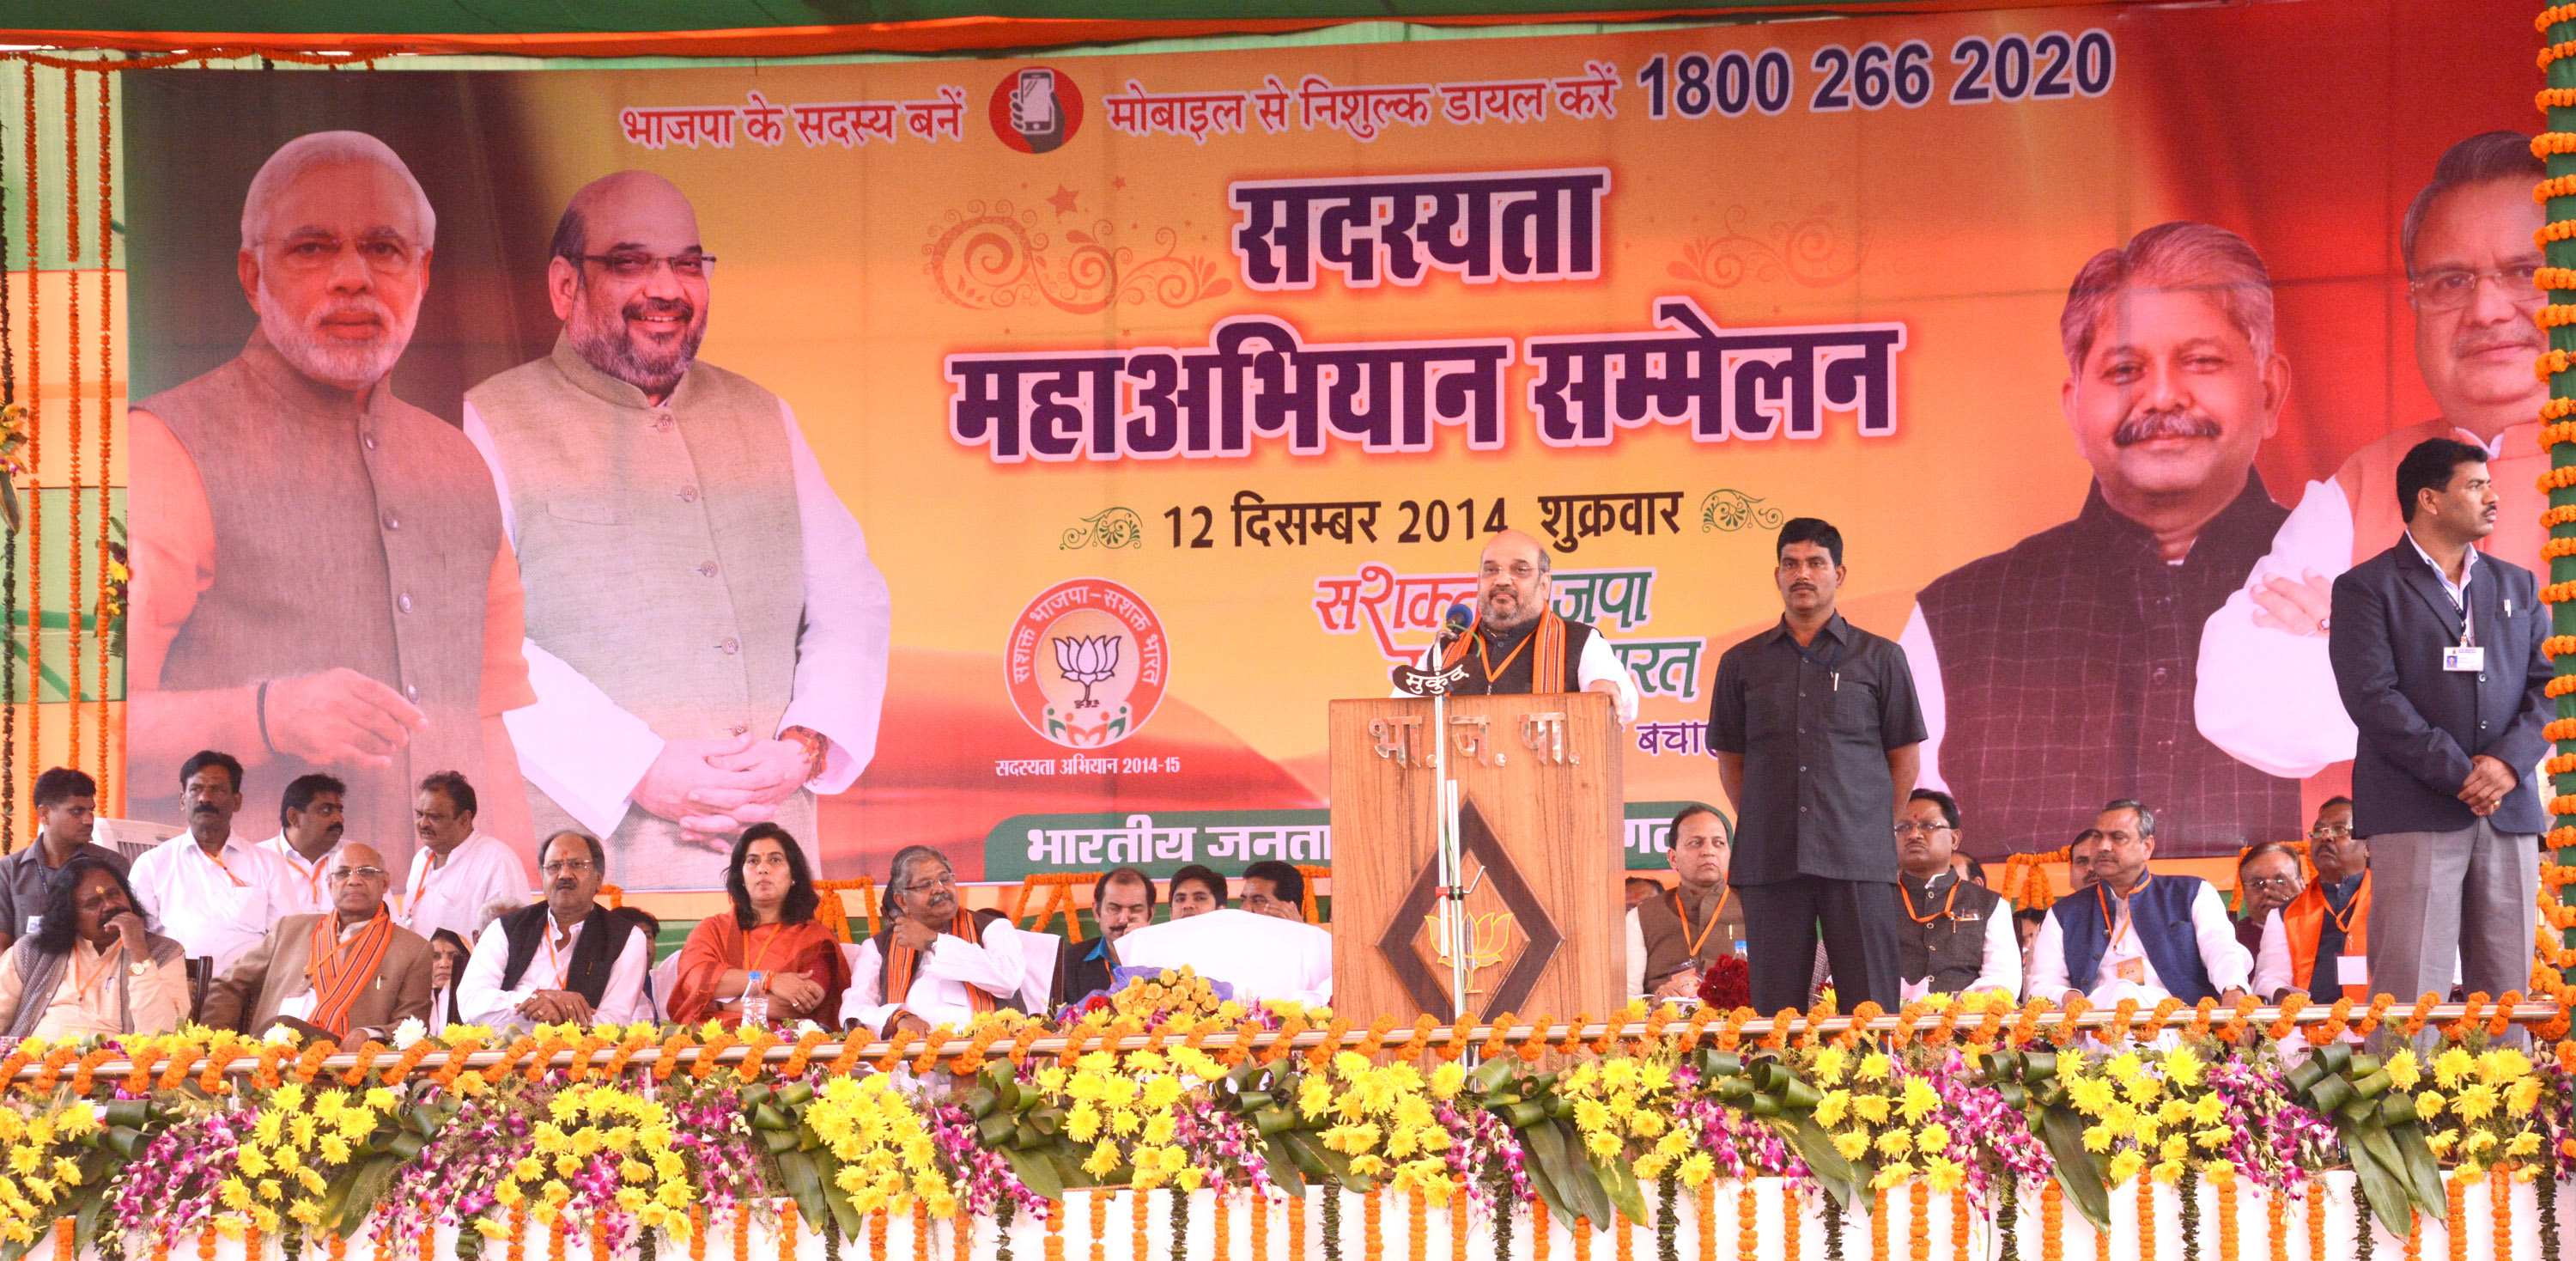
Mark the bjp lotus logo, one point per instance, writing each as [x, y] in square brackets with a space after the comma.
[1086, 663]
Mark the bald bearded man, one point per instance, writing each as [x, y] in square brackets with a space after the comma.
[1518, 645]
[706, 635]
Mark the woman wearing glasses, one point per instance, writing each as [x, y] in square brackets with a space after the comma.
[772, 934]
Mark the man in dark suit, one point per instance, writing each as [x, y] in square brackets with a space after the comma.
[2436, 651]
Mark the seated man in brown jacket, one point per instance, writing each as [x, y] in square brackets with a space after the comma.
[1672, 937]
[352, 973]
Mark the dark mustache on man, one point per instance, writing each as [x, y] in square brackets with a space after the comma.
[2172, 422]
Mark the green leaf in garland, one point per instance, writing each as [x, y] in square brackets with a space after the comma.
[2389, 1201]
[1035, 1172]
[1620, 1182]
[1839, 1177]
[1282, 1167]
[804, 1184]
[2422, 1172]
[2078, 1173]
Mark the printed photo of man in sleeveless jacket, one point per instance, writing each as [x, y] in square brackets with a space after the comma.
[321, 582]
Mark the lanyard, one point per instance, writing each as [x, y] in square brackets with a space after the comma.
[106, 962]
[312, 874]
[1824, 663]
[1508, 658]
[775, 931]
[553, 959]
[2128, 915]
[1943, 913]
[238, 882]
[2343, 922]
[1724, 893]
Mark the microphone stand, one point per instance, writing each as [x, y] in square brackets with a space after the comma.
[1454, 931]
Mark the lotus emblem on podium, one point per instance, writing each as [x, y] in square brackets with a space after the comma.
[1087, 661]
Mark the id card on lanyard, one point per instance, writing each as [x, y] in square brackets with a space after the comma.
[2466, 657]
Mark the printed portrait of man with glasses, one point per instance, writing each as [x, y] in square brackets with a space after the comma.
[2266, 692]
[706, 636]
[321, 583]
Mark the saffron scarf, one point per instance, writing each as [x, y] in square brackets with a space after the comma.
[1547, 672]
[339, 968]
[903, 964]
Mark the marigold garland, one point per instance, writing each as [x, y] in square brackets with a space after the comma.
[1921, 1198]
[555, 1233]
[877, 1234]
[1100, 1222]
[742, 1231]
[519, 1236]
[1748, 1241]
[1297, 1230]
[1457, 1223]
[1372, 1243]
[1959, 1221]
[1708, 1220]
[1582, 1239]
[1421, 1232]
[1878, 1225]
[2500, 1211]
[2052, 1221]
[1538, 1230]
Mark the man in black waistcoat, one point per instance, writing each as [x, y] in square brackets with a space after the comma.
[1958, 938]
[1518, 646]
[566, 959]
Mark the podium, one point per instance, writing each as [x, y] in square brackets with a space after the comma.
[1540, 818]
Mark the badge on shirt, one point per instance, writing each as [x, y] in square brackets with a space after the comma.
[2464, 660]
[2352, 970]
[2134, 971]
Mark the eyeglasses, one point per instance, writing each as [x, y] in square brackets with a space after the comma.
[944, 880]
[2452, 287]
[359, 873]
[636, 265]
[1904, 830]
[567, 866]
[384, 253]
[2273, 882]
[2331, 832]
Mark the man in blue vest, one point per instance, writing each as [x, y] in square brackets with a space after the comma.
[2134, 933]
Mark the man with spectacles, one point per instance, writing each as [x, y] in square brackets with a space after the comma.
[2267, 692]
[347, 975]
[1673, 936]
[1958, 938]
[2319, 944]
[2267, 878]
[633, 477]
[566, 959]
[321, 583]
[935, 962]
[2136, 934]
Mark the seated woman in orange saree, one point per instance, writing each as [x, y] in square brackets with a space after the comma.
[773, 931]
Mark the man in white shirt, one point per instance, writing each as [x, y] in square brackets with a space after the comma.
[457, 872]
[2136, 934]
[214, 892]
[2267, 693]
[566, 959]
[1260, 956]
[935, 963]
[311, 818]
[626, 470]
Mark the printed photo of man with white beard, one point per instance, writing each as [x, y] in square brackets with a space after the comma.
[321, 581]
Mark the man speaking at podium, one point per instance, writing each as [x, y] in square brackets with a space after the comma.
[1818, 738]
[1515, 645]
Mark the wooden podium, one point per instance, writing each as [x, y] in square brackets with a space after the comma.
[1540, 823]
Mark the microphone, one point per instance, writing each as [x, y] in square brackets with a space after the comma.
[1461, 619]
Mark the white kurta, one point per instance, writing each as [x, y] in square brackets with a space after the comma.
[306, 890]
[219, 908]
[480, 1000]
[479, 872]
[2225, 958]
[938, 994]
[1261, 956]
[587, 752]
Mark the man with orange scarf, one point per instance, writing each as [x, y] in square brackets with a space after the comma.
[1518, 644]
[2319, 944]
[935, 962]
[353, 972]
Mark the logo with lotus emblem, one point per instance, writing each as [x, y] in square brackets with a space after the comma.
[1086, 663]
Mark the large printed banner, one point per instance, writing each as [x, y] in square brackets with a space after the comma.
[1015, 456]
